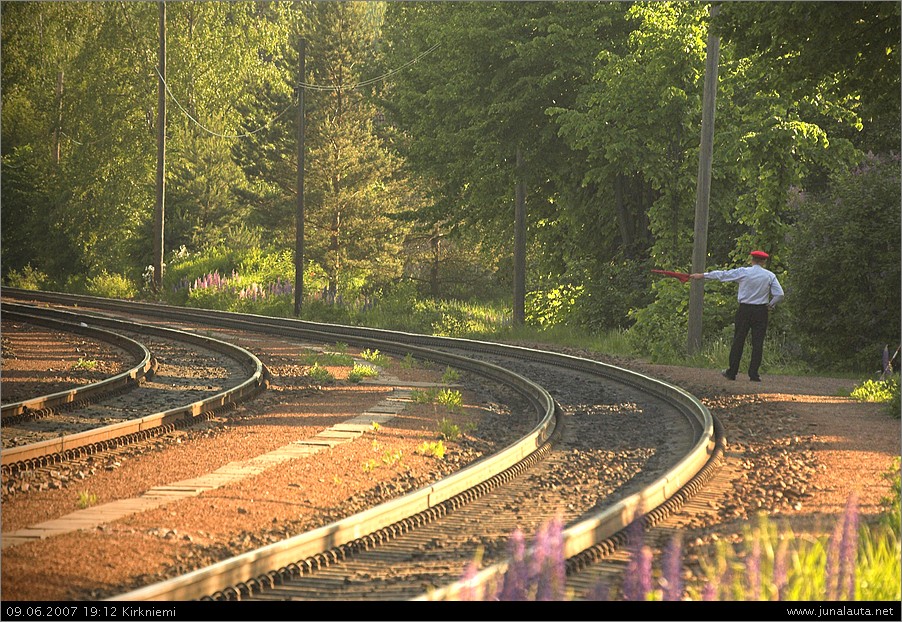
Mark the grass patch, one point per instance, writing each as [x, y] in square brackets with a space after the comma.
[448, 430]
[86, 364]
[331, 359]
[319, 374]
[450, 376]
[360, 372]
[86, 499]
[436, 449]
[375, 357]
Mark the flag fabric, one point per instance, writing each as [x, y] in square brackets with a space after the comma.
[682, 276]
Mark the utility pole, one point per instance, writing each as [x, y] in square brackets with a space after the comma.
[299, 226]
[520, 245]
[703, 191]
[159, 213]
[58, 126]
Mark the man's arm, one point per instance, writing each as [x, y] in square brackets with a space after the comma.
[776, 293]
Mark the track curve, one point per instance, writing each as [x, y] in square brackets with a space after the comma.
[598, 528]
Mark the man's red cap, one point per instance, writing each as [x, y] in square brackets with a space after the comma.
[759, 254]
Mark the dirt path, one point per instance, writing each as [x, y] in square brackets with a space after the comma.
[799, 429]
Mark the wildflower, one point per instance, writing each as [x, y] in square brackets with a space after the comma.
[516, 578]
[848, 549]
[673, 585]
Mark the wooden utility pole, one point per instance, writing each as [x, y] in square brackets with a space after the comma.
[703, 191]
[299, 225]
[520, 245]
[159, 213]
[58, 126]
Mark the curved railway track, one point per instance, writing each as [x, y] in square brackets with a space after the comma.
[96, 417]
[44, 405]
[611, 447]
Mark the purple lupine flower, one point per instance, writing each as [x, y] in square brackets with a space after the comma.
[637, 581]
[753, 570]
[537, 554]
[709, 592]
[601, 591]
[635, 533]
[848, 550]
[515, 585]
[470, 592]
[780, 569]
[552, 576]
[673, 566]
[726, 581]
[645, 575]
[831, 571]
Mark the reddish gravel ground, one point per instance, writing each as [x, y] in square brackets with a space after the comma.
[795, 429]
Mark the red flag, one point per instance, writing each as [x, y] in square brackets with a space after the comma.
[682, 276]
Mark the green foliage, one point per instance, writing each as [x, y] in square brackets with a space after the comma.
[390, 458]
[359, 372]
[448, 430]
[409, 361]
[334, 359]
[551, 307]
[423, 396]
[27, 278]
[611, 293]
[436, 449]
[450, 398]
[876, 390]
[660, 329]
[845, 250]
[892, 512]
[375, 357]
[319, 374]
[894, 405]
[86, 364]
[86, 499]
[879, 567]
[111, 286]
[807, 566]
[450, 375]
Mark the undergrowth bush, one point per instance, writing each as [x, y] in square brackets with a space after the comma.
[27, 278]
[108, 285]
[885, 391]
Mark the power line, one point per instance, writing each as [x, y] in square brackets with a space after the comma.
[208, 130]
[317, 87]
[312, 87]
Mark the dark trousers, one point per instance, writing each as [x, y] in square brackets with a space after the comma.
[748, 318]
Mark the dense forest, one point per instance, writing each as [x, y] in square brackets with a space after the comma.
[425, 126]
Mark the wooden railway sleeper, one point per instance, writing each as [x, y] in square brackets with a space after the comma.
[294, 570]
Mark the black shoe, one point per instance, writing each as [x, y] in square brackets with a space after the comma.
[755, 379]
[726, 374]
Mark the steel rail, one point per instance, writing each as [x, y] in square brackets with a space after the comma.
[603, 529]
[134, 375]
[18, 458]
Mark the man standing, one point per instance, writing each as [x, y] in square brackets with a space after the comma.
[759, 292]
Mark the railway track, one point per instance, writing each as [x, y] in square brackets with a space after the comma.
[609, 448]
[96, 417]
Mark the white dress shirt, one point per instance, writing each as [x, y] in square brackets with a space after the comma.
[757, 285]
